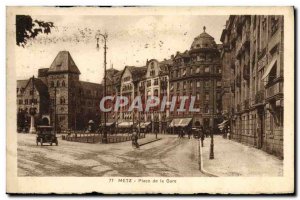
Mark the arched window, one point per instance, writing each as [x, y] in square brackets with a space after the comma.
[57, 83]
[63, 84]
[52, 84]
[62, 100]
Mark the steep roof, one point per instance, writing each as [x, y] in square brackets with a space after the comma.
[63, 62]
[40, 86]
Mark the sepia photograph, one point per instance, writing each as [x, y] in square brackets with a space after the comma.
[150, 98]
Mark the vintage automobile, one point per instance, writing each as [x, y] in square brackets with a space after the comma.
[46, 134]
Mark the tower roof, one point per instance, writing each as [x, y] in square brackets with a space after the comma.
[204, 40]
[63, 62]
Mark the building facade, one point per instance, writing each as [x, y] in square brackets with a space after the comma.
[254, 54]
[60, 98]
[198, 72]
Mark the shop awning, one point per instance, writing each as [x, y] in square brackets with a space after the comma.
[222, 125]
[125, 124]
[269, 68]
[181, 122]
[108, 124]
[144, 124]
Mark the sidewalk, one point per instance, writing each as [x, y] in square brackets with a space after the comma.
[235, 159]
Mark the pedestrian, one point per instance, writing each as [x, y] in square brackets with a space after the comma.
[189, 134]
[134, 139]
[206, 131]
[202, 136]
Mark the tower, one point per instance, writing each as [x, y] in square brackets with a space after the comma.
[63, 79]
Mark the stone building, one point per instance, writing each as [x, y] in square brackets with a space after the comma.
[198, 72]
[155, 83]
[254, 53]
[61, 99]
[130, 79]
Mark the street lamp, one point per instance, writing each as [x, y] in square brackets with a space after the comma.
[32, 110]
[104, 36]
[211, 153]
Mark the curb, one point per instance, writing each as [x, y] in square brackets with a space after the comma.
[201, 163]
[150, 141]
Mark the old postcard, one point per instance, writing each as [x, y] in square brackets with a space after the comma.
[150, 100]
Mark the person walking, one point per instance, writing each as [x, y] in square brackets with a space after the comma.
[202, 135]
[134, 139]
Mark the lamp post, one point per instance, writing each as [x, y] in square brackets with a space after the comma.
[211, 153]
[32, 110]
[104, 36]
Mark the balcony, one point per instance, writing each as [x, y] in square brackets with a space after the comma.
[275, 90]
[259, 97]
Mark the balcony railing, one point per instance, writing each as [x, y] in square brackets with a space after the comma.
[274, 90]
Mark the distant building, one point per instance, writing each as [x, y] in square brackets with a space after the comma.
[61, 99]
[253, 51]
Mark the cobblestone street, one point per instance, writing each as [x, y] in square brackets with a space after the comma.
[167, 157]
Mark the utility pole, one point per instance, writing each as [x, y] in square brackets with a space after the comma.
[104, 36]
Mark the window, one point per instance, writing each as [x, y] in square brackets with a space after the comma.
[274, 24]
[183, 72]
[184, 85]
[57, 83]
[219, 83]
[198, 70]
[52, 84]
[178, 85]
[148, 83]
[20, 101]
[191, 84]
[198, 96]
[207, 97]
[156, 81]
[26, 101]
[198, 84]
[206, 70]
[206, 83]
[62, 100]
[63, 84]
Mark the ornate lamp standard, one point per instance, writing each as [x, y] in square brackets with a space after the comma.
[32, 110]
[104, 36]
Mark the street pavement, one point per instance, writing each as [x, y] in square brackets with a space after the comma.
[167, 157]
[235, 159]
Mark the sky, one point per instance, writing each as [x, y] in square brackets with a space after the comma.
[131, 41]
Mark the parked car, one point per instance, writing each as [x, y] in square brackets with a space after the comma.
[46, 134]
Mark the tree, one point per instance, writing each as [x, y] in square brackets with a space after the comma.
[27, 28]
